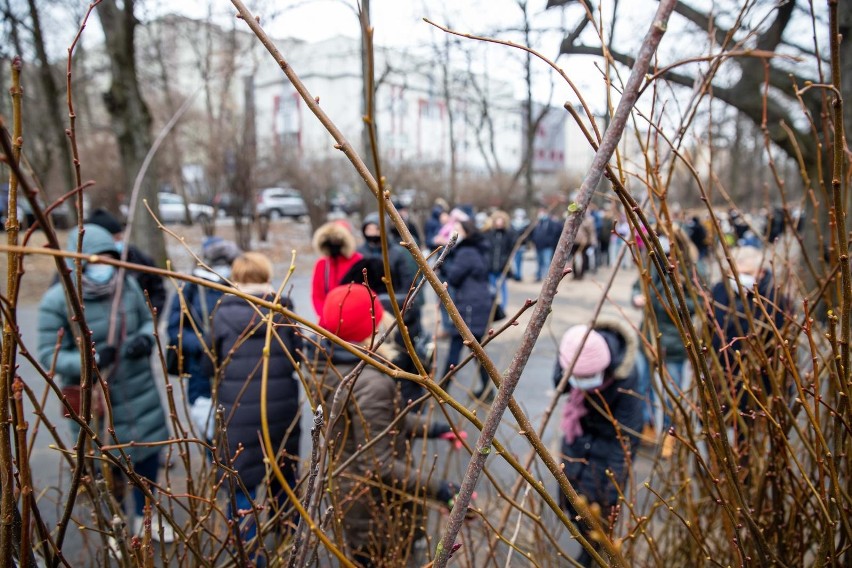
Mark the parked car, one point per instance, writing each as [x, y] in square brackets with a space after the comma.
[61, 216]
[231, 205]
[173, 210]
[278, 202]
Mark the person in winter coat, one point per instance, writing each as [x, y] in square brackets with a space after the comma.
[734, 332]
[403, 270]
[124, 360]
[545, 236]
[467, 273]
[436, 220]
[151, 284]
[587, 240]
[189, 327]
[520, 223]
[379, 494]
[602, 415]
[674, 359]
[501, 240]
[335, 244]
[238, 342]
[405, 213]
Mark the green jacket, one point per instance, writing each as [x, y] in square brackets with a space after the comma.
[137, 413]
[670, 339]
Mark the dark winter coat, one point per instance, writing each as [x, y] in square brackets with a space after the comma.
[467, 274]
[239, 334]
[599, 448]
[501, 242]
[137, 412]
[189, 339]
[366, 491]
[546, 233]
[670, 339]
[402, 265]
[151, 284]
[433, 226]
[729, 313]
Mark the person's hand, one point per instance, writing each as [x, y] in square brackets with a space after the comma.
[639, 301]
[456, 441]
[105, 356]
[139, 346]
[447, 494]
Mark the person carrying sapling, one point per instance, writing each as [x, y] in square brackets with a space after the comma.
[602, 416]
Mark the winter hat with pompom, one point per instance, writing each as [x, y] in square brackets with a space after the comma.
[349, 312]
[592, 359]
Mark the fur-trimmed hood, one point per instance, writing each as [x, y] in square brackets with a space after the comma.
[334, 232]
[623, 344]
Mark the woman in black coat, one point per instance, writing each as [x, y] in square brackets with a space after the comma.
[468, 275]
[239, 337]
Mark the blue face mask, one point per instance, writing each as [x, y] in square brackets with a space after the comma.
[100, 273]
[119, 246]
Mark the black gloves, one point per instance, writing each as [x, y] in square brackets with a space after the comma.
[139, 346]
[447, 493]
[105, 356]
[438, 428]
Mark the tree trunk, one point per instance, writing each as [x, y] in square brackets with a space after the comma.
[53, 101]
[131, 121]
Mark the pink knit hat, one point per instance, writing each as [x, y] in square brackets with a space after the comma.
[592, 359]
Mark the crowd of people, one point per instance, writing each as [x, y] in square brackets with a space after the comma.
[220, 343]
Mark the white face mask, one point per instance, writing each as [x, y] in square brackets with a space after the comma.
[587, 383]
[746, 281]
[100, 273]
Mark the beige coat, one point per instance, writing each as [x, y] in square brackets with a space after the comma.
[379, 494]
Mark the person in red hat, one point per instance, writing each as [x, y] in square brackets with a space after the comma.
[379, 492]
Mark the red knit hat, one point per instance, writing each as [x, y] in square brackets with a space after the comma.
[348, 312]
[592, 357]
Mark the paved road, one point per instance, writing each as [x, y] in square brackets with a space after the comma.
[574, 304]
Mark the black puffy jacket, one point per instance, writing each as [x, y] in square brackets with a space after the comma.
[467, 273]
[238, 334]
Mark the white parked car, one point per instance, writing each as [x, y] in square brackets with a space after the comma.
[172, 210]
[278, 202]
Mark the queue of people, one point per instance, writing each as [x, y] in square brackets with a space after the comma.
[612, 374]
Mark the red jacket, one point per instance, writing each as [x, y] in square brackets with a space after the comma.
[328, 272]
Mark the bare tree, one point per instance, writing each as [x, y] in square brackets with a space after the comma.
[760, 68]
[130, 117]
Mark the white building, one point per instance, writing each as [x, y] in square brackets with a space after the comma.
[419, 101]
[415, 108]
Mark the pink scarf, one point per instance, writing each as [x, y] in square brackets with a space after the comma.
[574, 411]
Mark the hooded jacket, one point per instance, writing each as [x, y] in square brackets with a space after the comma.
[670, 339]
[402, 266]
[467, 273]
[330, 268]
[625, 406]
[599, 452]
[367, 490]
[137, 413]
[238, 338]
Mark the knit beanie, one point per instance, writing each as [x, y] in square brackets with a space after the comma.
[219, 252]
[592, 359]
[105, 219]
[348, 312]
